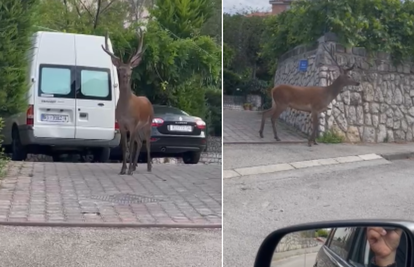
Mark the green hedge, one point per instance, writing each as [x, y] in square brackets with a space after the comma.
[16, 27]
[377, 25]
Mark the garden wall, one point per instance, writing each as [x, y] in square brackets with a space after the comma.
[379, 110]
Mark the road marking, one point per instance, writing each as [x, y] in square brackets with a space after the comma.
[238, 172]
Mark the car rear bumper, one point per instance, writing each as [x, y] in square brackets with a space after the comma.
[27, 138]
[169, 145]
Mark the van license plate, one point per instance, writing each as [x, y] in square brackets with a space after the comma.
[180, 128]
[54, 118]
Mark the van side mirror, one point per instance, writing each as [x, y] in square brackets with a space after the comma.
[373, 243]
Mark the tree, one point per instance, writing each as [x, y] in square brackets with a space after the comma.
[16, 27]
[179, 63]
[184, 18]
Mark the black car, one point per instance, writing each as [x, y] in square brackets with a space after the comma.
[175, 133]
[349, 247]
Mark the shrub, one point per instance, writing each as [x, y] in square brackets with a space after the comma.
[330, 137]
[213, 102]
[16, 22]
[322, 233]
[3, 158]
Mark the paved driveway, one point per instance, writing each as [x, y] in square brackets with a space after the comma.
[242, 127]
[95, 193]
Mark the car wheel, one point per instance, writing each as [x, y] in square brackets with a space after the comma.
[57, 157]
[101, 154]
[19, 152]
[191, 157]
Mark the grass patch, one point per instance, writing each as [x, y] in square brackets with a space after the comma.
[330, 137]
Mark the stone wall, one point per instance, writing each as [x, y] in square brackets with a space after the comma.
[379, 110]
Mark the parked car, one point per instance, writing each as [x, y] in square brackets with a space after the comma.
[175, 133]
[71, 100]
[347, 244]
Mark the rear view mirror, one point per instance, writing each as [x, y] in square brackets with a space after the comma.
[360, 243]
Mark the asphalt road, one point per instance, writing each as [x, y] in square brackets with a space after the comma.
[87, 247]
[254, 206]
[304, 260]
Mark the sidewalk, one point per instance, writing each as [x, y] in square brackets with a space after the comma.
[243, 160]
[82, 194]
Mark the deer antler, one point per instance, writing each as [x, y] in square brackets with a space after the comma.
[106, 48]
[330, 53]
[140, 51]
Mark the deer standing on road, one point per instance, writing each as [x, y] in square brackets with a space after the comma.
[313, 99]
[134, 114]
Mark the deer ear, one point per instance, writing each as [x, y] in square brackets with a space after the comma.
[116, 62]
[135, 62]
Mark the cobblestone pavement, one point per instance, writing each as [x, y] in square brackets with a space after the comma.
[241, 126]
[95, 193]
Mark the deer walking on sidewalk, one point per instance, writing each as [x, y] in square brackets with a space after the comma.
[312, 99]
[134, 114]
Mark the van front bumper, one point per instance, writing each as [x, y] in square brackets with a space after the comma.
[27, 138]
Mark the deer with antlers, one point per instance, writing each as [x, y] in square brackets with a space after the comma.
[312, 99]
[134, 114]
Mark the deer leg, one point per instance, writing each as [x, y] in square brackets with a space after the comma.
[315, 123]
[134, 151]
[275, 116]
[132, 140]
[133, 163]
[124, 150]
[265, 114]
[148, 144]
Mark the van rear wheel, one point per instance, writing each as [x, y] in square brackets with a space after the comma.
[101, 154]
[19, 152]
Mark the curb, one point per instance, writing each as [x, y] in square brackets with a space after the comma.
[398, 155]
[264, 142]
[112, 225]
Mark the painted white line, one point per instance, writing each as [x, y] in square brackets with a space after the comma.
[370, 156]
[348, 159]
[264, 169]
[298, 165]
[229, 174]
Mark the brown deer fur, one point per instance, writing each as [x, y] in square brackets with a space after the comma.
[134, 114]
[312, 99]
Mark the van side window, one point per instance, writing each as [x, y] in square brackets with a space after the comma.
[95, 83]
[342, 241]
[55, 80]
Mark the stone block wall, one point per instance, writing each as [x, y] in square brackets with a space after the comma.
[379, 110]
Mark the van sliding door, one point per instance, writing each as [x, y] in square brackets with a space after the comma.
[95, 108]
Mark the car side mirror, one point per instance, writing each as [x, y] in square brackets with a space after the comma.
[371, 243]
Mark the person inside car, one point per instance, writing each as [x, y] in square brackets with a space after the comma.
[384, 244]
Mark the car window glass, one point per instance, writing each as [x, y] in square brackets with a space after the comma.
[169, 110]
[341, 242]
[55, 81]
[95, 83]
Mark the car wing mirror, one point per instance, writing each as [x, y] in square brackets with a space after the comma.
[372, 243]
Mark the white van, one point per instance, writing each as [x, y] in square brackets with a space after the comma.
[71, 101]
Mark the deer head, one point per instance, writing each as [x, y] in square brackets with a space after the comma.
[125, 69]
[344, 77]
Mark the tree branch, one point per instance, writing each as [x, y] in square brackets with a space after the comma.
[84, 6]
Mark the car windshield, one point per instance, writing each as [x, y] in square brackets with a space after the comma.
[169, 110]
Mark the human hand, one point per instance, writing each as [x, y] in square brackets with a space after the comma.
[384, 244]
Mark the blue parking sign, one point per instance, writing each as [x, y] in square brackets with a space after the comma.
[303, 65]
